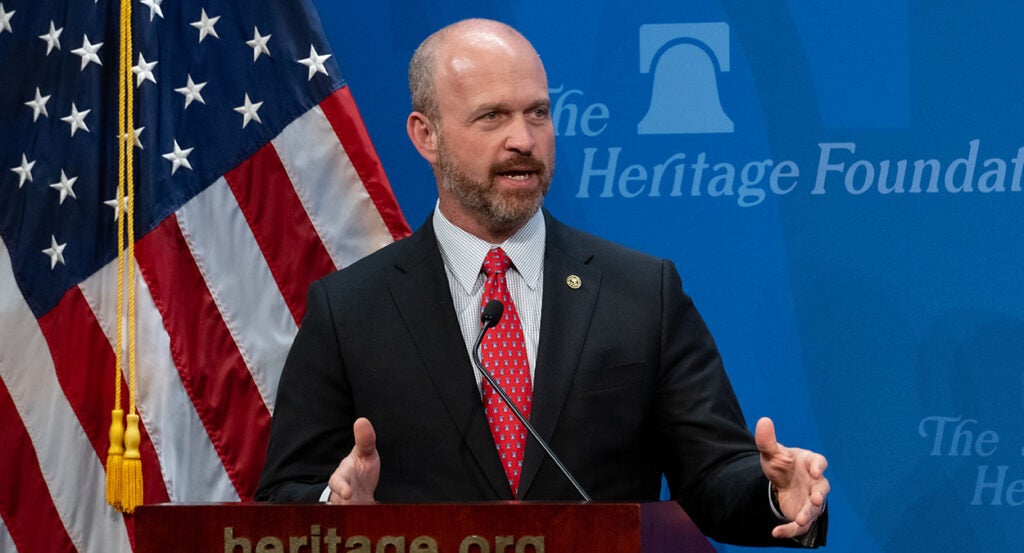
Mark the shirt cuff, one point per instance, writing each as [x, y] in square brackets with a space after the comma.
[773, 502]
[325, 495]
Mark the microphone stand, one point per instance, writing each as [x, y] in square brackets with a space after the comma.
[490, 317]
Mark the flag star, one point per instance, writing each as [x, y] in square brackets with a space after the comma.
[248, 111]
[205, 25]
[38, 105]
[178, 157]
[135, 138]
[258, 44]
[154, 8]
[88, 52]
[24, 171]
[5, 19]
[191, 91]
[114, 205]
[76, 119]
[144, 71]
[56, 252]
[315, 62]
[66, 187]
[52, 38]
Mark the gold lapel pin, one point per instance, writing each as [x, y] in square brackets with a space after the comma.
[573, 282]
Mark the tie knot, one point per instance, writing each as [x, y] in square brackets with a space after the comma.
[497, 261]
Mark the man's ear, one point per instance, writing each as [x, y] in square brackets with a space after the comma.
[423, 135]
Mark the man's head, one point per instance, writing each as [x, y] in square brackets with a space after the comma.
[481, 117]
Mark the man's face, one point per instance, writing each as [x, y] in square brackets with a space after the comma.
[495, 139]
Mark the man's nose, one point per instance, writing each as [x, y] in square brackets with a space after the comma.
[520, 136]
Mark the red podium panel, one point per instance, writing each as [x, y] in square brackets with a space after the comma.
[498, 527]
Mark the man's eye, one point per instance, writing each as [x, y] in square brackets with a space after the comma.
[541, 113]
[491, 115]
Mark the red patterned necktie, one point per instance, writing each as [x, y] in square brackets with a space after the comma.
[504, 356]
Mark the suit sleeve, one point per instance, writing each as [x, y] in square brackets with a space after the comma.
[311, 429]
[711, 462]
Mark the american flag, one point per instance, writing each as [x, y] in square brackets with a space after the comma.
[255, 177]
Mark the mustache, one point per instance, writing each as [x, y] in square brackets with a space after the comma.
[519, 163]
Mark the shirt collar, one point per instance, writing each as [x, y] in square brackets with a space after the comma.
[464, 253]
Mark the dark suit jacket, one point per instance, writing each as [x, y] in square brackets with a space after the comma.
[628, 385]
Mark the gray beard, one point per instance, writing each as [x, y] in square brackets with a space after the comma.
[483, 199]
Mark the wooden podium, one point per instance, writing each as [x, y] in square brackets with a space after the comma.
[497, 527]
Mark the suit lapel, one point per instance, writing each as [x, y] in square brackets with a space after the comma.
[420, 289]
[565, 319]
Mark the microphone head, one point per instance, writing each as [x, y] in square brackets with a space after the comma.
[491, 313]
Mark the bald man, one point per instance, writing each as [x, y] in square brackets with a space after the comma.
[379, 399]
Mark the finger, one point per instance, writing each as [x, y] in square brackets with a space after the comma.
[820, 491]
[764, 437]
[365, 438]
[344, 491]
[789, 530]
[341, 491]
[337, 498]
[816, 464]
[337, 483]
[810, 514]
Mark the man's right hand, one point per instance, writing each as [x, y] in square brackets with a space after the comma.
[355, 479]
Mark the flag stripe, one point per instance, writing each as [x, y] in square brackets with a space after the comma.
[34, 524]
[336, 201]
[193, 472]
[256, 314]
[84, 367]
[84, 362]
[210, 365]
[6, 541]
[340, 109]
[70, 469]
[280, 225]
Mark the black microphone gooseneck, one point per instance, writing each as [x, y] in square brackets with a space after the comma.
[490, 316]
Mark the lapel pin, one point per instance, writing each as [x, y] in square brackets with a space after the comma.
[573, 282]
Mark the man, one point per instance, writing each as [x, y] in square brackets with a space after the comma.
[620, 374]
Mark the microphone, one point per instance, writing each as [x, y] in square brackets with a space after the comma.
[490, 316]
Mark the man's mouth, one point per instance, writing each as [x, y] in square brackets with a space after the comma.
[516, 175]
[522, 169]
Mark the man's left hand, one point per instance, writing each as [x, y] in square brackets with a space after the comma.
[798, 476]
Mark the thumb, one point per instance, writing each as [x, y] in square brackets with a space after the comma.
[365, 438]
[764, 437]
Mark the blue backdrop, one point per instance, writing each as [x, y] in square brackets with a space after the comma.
[840, 185]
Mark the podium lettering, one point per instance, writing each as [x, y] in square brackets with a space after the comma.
[502, 544]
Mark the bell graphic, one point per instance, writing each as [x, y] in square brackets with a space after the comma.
[685, 59]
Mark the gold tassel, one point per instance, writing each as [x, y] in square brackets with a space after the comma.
[124, 464]
[131, 474]
[114, 458]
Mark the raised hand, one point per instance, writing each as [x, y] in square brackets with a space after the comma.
[798, 476]
[355, 479]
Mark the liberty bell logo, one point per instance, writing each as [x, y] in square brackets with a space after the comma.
[685, 59]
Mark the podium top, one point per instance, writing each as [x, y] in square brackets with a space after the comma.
[493, 527]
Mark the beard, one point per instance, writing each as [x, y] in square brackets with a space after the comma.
[491, 205]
